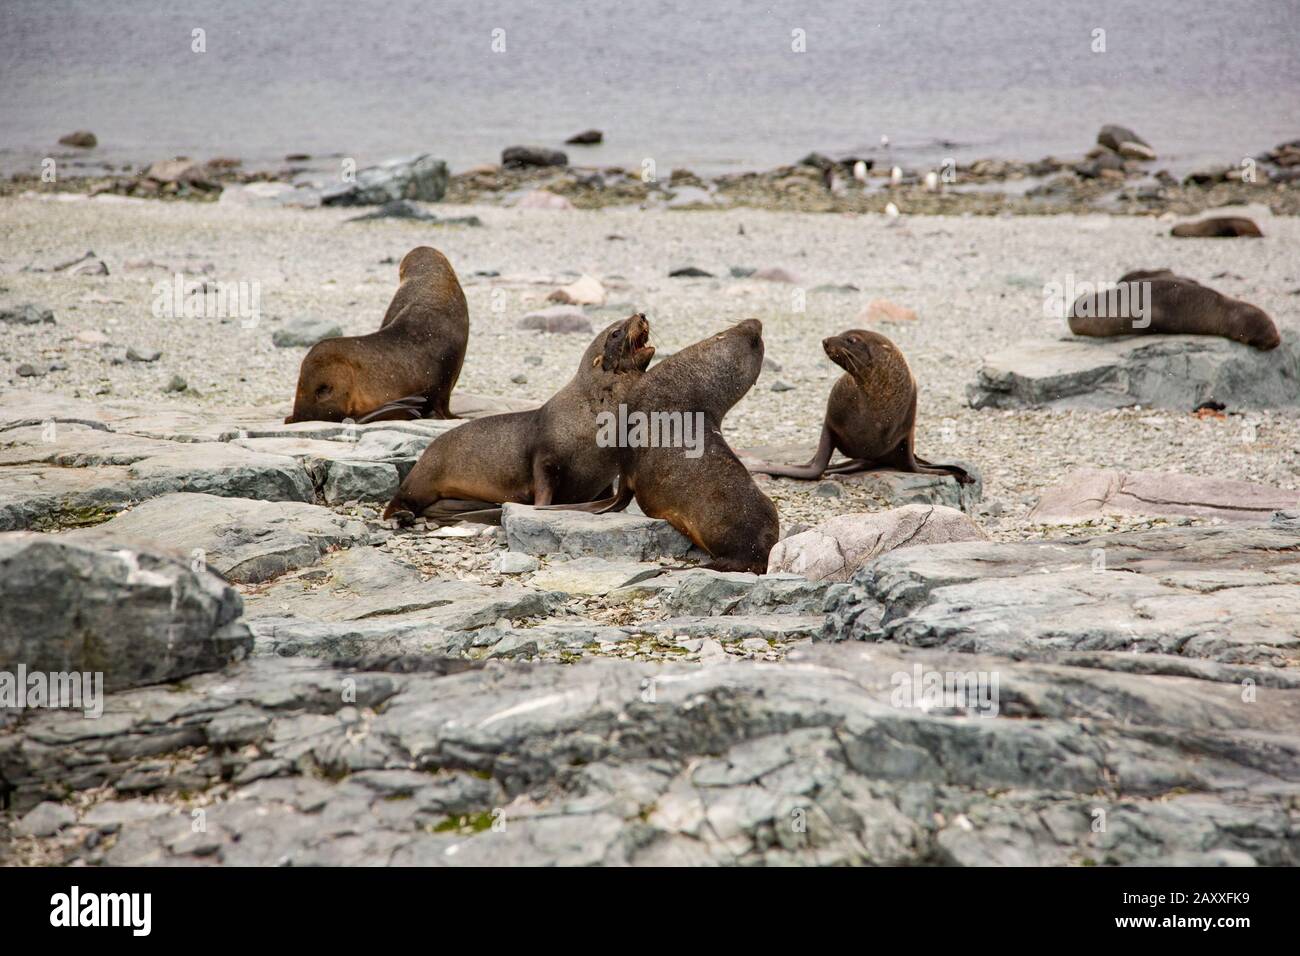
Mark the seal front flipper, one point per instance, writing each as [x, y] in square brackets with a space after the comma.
[609, 505]
[412, 406]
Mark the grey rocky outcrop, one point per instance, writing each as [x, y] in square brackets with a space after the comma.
[1162, 371]
[1221, 594]
[1089, 493]
[134, 614]
[823, 760]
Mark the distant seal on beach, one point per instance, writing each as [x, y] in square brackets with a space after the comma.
[870, 416]
[701, 488]
[405, 370]
[1224, 227]
[1158, 302]
[547, 455]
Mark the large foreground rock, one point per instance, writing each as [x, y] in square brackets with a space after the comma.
[1163, 371]
[576, 534]
[1090, 493]
[1225, 594]
[835, 757]
[138, 616]
[242, 540]
[836, 548]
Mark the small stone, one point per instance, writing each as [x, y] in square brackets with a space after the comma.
[27, 315]
[143, 355]
[46, 819]
[304, 333]
[26, 370]
[514, 562]
[775, 274]
[587, 290]
[771, 365]
[882, 310]
[780, 386]
[560, 319]
[532, 360]
[590, 137]
[828, 489]
[689, 272]
[519, 379]
[82, 139]
[177, 384]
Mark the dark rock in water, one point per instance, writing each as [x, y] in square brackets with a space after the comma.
[517, 156]
[1125, 142]
[422, 177]
[1207, 177]
[818, 161]
[560, 319]
[27, 314]
[689, 272]
[1092, 168]
[297, 157]
[589, 137]
[82, 138]
[138, 616]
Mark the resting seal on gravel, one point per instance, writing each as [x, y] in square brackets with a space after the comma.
[698, 485]
[1157, 302]
[405, 370]
[546, 455]
[1223, 227]
[870, 416]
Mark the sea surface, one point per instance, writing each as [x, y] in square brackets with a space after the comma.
[709, 85]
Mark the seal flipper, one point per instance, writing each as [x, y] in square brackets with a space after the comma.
[452, 510]
[412, 406]
[815, 468]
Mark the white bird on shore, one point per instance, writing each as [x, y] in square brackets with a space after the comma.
[860, 171]
[884, 141]
[891, 211]
[932, 182]
[896, 175]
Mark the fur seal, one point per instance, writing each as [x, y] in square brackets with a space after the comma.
[546, 455]
[405, 370]
[1223, 227]
[1169, 304]
[703, 489]
[870, 415]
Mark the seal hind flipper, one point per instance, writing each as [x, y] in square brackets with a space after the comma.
[815, 467]
[452, 510]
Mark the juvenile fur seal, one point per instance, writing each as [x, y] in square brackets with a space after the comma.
[1158, 302]
[870, 416]
[1223, 227]
[542, 456]
[405, 370]
[703, 491]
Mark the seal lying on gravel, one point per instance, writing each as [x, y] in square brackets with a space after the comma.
[405, 370]
[1223, 227]
[1157, 302]
[698, 484]
[542, 456]
[870, 416]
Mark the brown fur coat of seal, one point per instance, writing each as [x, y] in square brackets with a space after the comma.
[1170, 305]
[703, 491]
[870, 415]
[1220, 227]
[546, 455]
[405, 370]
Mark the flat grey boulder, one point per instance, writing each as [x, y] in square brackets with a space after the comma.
[364, 601]
[1090, 493]
[835, 549]
[588, 576]
[242, 540]
[577, 534]
[1223, 594]
[707, 593]
[836, 757]
[1162, 371]
[422, 177]
[304, 333]
[86, 474]
[137, 616]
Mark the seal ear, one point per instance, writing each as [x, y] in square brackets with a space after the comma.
[598, 362]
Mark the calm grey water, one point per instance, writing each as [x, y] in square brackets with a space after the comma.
[708, 85]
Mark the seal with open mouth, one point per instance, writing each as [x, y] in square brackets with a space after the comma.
[870, 416]
[547, 455]
[405, 370]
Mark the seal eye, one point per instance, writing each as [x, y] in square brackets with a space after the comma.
[323, 391]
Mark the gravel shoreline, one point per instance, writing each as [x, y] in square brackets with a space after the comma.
[976, 284]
